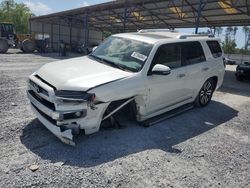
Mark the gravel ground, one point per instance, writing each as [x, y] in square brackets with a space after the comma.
[203, 147]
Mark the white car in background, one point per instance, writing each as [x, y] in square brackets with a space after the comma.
[142, 75]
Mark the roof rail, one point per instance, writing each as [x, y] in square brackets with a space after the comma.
[156, 30]
[194, 35]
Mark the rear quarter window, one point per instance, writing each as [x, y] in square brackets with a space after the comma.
[215, 48]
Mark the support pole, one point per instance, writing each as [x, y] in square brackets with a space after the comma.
[125, 19]
[52, 37]
[86, 29]
[70, 36]
[30, 29]
[201, 7]
[59, 33]
[43, 30]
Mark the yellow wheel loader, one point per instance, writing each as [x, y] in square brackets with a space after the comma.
[8, 38]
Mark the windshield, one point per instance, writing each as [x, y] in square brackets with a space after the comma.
[7, 28]
[247, 63]
[123, 53]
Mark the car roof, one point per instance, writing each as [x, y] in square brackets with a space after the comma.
[158, 35]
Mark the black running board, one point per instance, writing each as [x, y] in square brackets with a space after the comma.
[166, 115]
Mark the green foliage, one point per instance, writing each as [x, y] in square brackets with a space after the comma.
[106, 34]
[242, 51]
[16, 13]
[229, 46]
[246, 31]
[218, 31]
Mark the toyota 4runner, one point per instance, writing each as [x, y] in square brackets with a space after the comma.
[148, 73]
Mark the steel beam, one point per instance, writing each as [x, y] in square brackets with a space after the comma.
[86, 29]
[70, 36]
[125, 18]
[59, 33]
[43, 30]
[201, 7]
[52, 36]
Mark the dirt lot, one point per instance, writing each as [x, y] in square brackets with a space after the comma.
[203, 147]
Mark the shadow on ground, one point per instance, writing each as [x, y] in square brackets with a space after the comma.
[109, 145]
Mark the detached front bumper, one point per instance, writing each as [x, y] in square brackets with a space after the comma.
[65, 136]
[53, 120]
[63, 118]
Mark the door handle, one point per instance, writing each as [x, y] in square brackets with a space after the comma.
[205, 69]
[181, 75]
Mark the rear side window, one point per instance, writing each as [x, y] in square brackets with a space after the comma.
[192, 53]
[215, 48]
[169, 55]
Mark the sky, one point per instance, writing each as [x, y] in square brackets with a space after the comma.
[41, 7]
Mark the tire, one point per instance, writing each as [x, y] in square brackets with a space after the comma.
[205, 94]
[28, 46]
[3, 45]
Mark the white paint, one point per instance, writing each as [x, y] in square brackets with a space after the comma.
[154, 94]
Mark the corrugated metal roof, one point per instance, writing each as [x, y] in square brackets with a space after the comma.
[141, 14]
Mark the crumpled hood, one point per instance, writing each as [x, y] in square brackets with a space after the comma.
[80, 73]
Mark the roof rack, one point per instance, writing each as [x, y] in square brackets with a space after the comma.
[156, 30]
[194, 35]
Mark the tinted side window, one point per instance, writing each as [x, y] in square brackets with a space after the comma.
[192, 52]
[169, 55]
[215, 48]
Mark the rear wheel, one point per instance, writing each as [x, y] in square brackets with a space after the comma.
[205, 94]
[3, 45]
[28, 46]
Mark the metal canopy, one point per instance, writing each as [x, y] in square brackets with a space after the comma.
[128, 15]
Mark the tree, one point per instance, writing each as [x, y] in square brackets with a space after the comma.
[246, 31]
[229, 45]
[16, 13]
[218, 31]
[229, 32]
[234, 32]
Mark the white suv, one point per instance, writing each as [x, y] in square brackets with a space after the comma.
[142, 75]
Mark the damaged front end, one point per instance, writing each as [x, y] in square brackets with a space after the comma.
[64, 113]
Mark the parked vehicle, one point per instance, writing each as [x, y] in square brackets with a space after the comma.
[28, 43]
[142, 75]
[229, 61]
[243, 71]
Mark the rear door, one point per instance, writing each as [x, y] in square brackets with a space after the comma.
[195, 64]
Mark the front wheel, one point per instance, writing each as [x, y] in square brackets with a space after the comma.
[205, 94]
[3, 45]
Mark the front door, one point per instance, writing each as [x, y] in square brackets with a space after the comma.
[168, 90]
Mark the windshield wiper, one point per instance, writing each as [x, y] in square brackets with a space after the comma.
[97, 58]
[116, 65]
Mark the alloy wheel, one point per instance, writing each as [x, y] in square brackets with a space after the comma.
[206, 92]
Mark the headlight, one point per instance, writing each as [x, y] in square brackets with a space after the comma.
[240, 71]
[74, 95]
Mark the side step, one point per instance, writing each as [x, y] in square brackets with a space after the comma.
[166, 115]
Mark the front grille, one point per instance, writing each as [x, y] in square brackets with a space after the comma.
[43, 101]
[45, 115]
[45, 82]
[39, 88]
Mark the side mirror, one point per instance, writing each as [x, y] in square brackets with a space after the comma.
[94, 48]
[159, 69]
